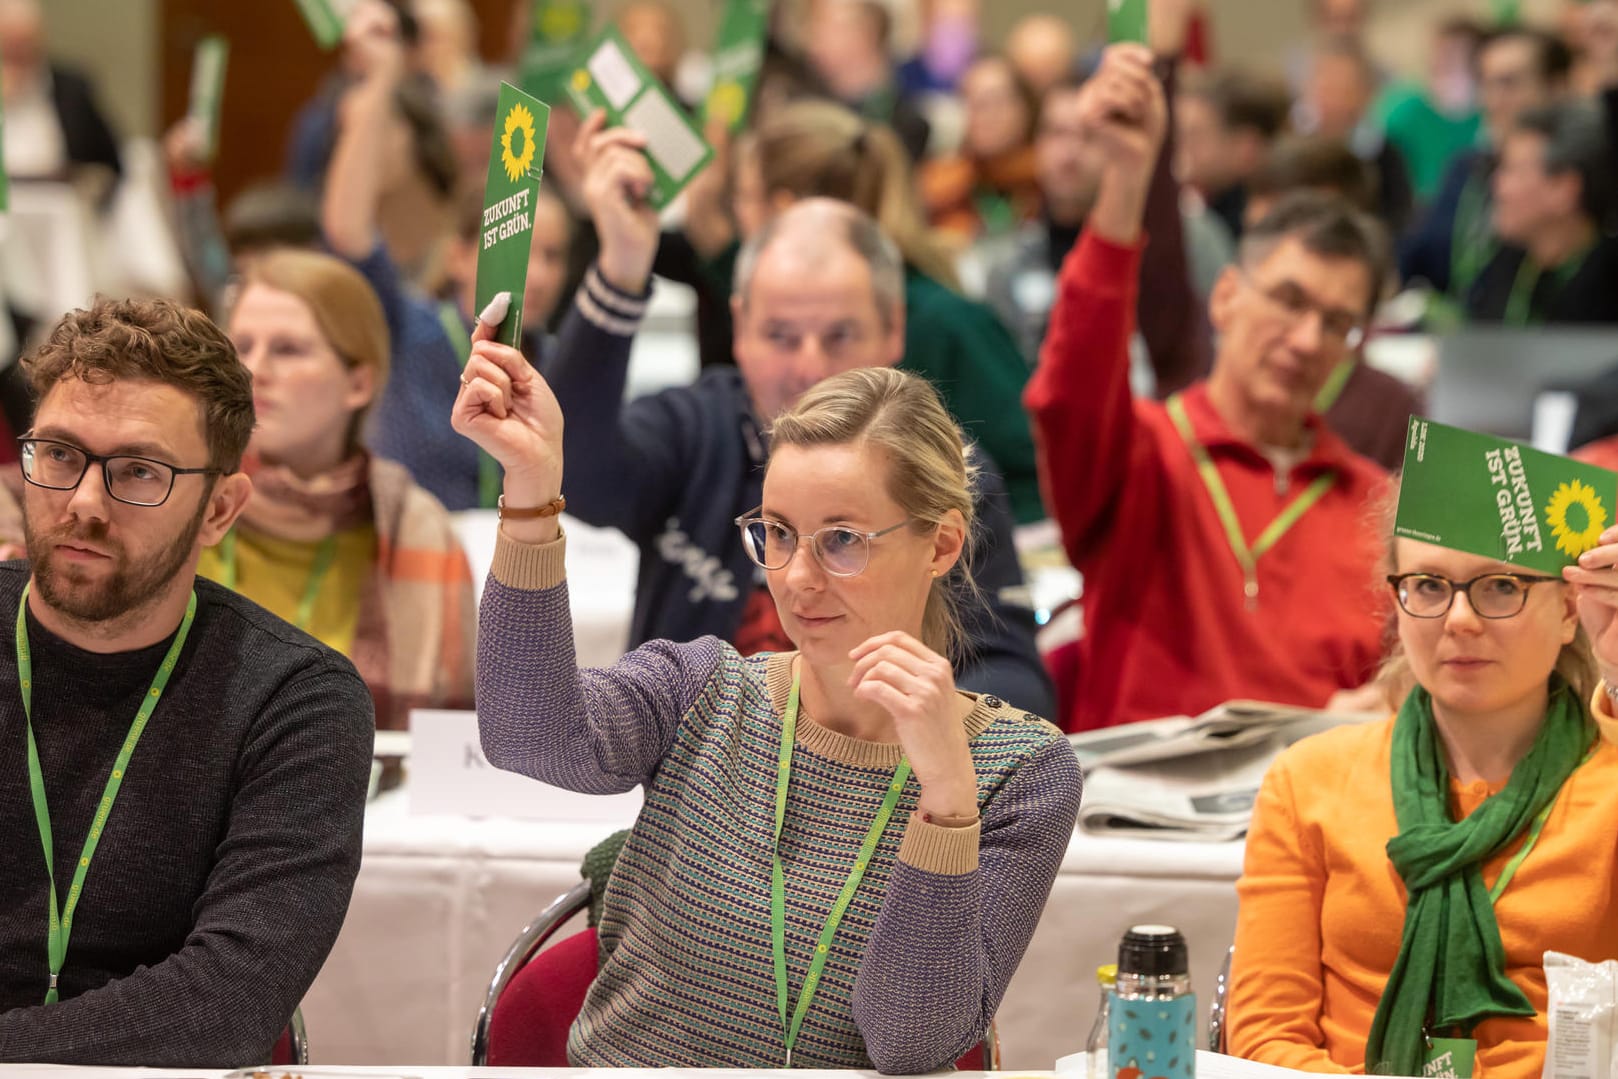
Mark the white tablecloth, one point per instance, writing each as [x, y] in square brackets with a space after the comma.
[439, 900]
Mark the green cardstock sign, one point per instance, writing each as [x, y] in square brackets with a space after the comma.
[1126, 22]
[1450, 1058]
[555, 36]
[1499, 499]
[515, 162]
[738, 55]
[611, 77]
[208, 90]
[326, 19]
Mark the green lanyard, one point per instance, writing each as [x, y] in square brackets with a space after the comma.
[489, 479]
[61, 925]
[1534, 830]
[1520, 304]
[1333, 388]
[325, 555]
[1246, 557]
[778, 917]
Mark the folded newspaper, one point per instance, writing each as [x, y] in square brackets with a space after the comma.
[1186, 778]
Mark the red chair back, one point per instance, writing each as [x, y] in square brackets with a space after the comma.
[528, 1027]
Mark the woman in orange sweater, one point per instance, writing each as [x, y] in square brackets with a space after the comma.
[1404, 879]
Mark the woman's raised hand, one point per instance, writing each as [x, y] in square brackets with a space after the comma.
[509, 411]
[1595, 582]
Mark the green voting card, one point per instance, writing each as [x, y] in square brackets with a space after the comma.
[208, 90]
[555, 36]
[326, 19]
[610, 76]
[1500, 499]
[1126, 21]
[1505, 12]
[738, 55]
[515, 162]
[1450, 1058]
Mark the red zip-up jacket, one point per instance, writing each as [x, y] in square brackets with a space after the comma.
[1167, 626]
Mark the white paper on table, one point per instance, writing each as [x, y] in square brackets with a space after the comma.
[450, 776]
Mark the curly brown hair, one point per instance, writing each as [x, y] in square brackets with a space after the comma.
[160, 341]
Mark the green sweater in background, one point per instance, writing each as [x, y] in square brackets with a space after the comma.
[964, 350]
[1428, 138]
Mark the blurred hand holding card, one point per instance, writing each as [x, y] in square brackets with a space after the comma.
[738, 56]
[612, 78]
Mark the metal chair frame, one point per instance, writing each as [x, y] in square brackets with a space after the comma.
[1219, 1011]
[534, 936]
[298, 1038]
[991, 1048]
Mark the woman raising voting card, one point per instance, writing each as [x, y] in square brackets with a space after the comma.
[841, 857]
[1405, 878]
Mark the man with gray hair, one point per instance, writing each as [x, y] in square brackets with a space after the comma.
[1223, 535]
[818, 291]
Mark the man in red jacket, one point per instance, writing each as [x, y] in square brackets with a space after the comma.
[1225, 536]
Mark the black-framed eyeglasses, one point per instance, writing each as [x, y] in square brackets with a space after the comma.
[137, 481]
[840, 550]
[1490, 595]
[1289, 301]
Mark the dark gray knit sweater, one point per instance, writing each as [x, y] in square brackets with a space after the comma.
[225, 869]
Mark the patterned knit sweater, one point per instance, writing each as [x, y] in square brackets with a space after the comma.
[931, 938]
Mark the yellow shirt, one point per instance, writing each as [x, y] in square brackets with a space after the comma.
[275, 574]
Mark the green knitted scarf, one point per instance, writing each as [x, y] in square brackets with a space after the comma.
[1451, 969]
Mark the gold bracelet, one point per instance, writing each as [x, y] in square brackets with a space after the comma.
[529, 513]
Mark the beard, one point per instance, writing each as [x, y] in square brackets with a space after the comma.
[133, 583]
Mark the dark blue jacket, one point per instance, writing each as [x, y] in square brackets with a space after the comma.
[1427, 251]
[673, 471]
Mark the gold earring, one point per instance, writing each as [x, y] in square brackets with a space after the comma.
[932, 573]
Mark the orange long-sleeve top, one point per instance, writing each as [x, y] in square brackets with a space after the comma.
[1322, 908]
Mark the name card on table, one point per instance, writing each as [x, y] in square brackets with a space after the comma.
[450, 776]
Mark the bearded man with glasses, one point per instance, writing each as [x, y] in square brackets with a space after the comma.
[182, 774]
[1222, 535]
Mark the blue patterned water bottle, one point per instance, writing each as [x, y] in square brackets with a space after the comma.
[1154, 1012]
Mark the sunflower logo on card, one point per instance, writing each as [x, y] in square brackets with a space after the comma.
[561, 22]
[1576, 517]
[519, 121]
[727, 102]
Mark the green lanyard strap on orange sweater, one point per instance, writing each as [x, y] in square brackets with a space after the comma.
[61, 923]
[489, 478]
[1246, 557]
[325, 555]
[778, 917]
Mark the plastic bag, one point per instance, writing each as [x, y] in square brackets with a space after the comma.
[1583, 1018]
